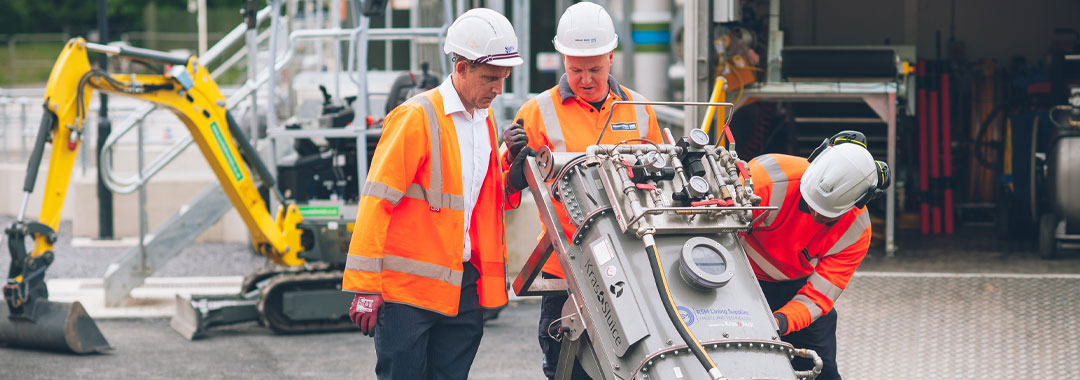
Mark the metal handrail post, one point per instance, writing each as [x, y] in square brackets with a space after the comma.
[271, 117]
[142, 201]
[23, 102]
[251, 39]
[4, 101]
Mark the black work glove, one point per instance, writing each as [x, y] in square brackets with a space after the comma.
[781, 321]
[515, 138]
[515, 178]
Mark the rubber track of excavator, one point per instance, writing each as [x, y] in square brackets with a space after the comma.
[270, 305]
[252, 281]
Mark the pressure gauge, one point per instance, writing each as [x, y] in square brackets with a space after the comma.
[704, 263]
[655, 162]
[698, 138]
[697, 186]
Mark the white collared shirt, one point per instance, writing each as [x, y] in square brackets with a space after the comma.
[472, 134]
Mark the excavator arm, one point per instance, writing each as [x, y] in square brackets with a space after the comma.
[186, 90]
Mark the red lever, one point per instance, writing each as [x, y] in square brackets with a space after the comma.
[718, 202]
[645, 186]
[705, 203]
[742, 169]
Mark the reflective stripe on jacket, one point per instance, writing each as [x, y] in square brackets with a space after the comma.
[563, 122]
[409, 230]
[787, 244]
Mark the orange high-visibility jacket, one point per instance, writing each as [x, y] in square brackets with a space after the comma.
[563, 122]
[410, 229]
[787, 244]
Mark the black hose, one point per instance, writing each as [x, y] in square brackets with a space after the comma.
[251, 156]
[48, 121]
[669, 305]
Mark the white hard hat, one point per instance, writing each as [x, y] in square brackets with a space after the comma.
[585, 30]
[482, 35]
[841, 176]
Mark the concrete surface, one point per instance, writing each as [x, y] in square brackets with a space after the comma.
[149, 349]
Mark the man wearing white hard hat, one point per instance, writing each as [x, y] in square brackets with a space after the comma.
[805, 253]
[428, 253]
[569, 118]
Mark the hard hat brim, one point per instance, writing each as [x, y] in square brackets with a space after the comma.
[572, 52]
[805, 190]
[506, 62]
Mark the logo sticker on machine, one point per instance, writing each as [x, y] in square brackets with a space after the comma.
[602, 251]
[319, 211]
[686, 314]
[226, 152]
[610, 271]
[624, 126]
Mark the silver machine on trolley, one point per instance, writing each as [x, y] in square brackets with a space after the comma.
[659, 286]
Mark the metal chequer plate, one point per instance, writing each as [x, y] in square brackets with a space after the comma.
[959, 326]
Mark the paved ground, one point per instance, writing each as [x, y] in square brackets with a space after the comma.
[967, 307]
[892, 326]
[149, 349]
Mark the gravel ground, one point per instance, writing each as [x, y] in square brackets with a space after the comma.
[203, 259]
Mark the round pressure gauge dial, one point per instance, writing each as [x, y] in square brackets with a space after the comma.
[655, 162]
[698, 138]
[697, 187]
[704, 263]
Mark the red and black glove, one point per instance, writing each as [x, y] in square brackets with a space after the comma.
[364, 312]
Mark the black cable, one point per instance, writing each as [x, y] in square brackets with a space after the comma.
[669, 306]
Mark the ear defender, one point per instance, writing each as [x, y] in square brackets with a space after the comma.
[843, 137]
[884, 174]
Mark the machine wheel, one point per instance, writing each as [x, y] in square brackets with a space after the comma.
[1047, 242]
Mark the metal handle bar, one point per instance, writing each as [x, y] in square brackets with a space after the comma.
[699, 210]
[730, 112]
[1053, 119]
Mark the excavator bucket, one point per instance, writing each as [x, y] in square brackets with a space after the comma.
[195, 315]
[53, 326]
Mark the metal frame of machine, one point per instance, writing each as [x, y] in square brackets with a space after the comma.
[1060, 225]
[636, 207]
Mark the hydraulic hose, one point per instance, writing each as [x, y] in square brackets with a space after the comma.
[48, 121]
[669, 305]
[248, 152]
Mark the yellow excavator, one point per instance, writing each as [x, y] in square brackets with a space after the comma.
[186, 89]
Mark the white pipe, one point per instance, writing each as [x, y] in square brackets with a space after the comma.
[651, 35]
[201, 16]
[271, 108]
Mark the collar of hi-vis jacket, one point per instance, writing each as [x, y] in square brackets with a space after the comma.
[452, 101]
[565, 92]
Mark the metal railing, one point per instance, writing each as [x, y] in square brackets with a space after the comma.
[130, 184]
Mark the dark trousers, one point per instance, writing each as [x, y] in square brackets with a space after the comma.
[413, 343]
[551, 310]
[820, 336]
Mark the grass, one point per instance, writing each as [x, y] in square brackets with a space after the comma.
[32, 62]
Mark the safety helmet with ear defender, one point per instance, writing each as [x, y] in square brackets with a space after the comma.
[482, 35]
[843, 175]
